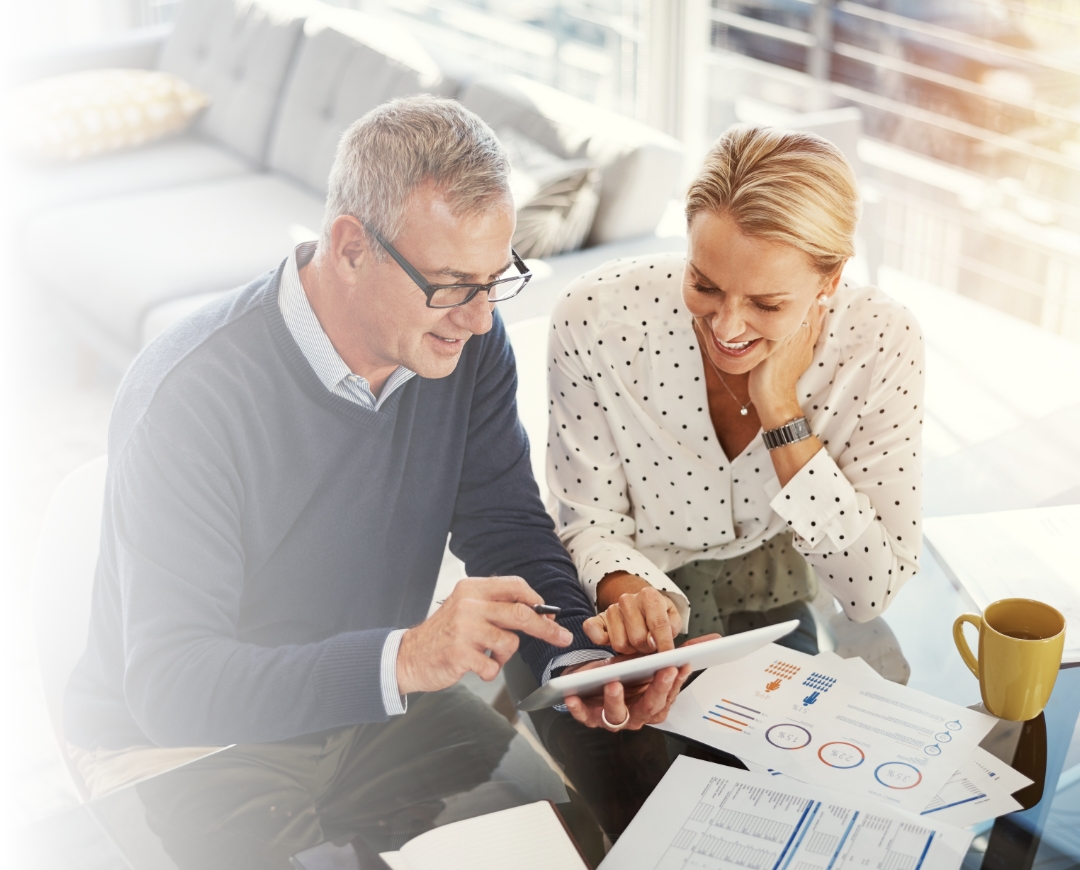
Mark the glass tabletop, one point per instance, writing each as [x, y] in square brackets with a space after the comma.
[325, 801]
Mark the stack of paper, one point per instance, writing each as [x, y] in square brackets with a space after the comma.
[1015, 554]
[714, 817]
[834, 722]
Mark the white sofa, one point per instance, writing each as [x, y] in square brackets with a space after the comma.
[147, 235]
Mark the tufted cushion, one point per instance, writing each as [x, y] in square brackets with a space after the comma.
[639, 166]
[237, 52]
[347, 64]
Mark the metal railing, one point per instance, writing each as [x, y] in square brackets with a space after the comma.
[971, 164]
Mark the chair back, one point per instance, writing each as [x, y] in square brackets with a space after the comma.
[63, 579]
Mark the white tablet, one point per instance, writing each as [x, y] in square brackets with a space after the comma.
[699, 656]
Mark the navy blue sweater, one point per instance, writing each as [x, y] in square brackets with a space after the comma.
[261, 536]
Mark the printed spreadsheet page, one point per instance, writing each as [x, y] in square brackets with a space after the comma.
[707, 816]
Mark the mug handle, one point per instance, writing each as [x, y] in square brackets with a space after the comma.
[961, 642]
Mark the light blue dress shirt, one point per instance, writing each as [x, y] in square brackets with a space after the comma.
[340, 380]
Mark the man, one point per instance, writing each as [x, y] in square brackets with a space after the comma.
[285, 466]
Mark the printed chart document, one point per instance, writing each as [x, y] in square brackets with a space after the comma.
[1015, 554]
[981, 789]
[824, 721]
[707, 816]
[529, 837]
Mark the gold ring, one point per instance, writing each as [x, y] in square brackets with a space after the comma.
[623, 724]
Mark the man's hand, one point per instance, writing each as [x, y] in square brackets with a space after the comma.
[636, 617]
[645, 704]
[480, 615]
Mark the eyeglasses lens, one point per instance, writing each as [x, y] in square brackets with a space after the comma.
[448, 297]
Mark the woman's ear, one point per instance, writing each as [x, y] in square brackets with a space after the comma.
[832, 282]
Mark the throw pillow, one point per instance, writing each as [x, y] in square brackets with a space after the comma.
[78, 115]
[556, 198]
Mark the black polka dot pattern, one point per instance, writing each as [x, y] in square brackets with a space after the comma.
[643, 485]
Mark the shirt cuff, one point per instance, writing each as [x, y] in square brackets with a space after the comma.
[575, 657]
[393, 701]
[819, 503]
[604, 559]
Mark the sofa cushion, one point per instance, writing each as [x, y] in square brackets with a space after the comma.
[182, 160]
[639, 166]
[555, 198]
[125, 255]
[238, 52]
[84, 114]
[347, 64]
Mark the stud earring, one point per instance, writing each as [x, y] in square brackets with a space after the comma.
[823, 300]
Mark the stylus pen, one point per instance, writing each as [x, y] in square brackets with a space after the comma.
[547, 609]
[542, 609]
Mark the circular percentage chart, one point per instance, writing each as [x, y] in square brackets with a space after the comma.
[843, 756]
[788, 736]
[898, 775]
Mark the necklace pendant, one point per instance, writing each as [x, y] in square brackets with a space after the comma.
[743, 411]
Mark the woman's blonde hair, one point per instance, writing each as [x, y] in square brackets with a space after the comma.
[786, 186]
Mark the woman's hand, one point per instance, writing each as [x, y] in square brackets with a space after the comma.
[630, 707]
[638, 619]
[773, 380]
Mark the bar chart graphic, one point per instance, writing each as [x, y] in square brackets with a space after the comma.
[729, 714]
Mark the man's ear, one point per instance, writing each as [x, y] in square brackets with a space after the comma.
[349, 247]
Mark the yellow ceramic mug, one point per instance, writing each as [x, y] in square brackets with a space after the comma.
[1020, 646]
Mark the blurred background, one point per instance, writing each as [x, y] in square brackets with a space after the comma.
[961, 117]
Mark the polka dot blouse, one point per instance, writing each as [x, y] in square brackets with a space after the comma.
[641, 481]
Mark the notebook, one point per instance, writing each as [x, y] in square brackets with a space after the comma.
[530, 837]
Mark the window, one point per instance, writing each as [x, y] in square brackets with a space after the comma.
[971, 148]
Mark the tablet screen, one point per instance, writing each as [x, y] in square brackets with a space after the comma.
[698, 656]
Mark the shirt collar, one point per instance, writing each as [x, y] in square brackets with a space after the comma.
[309, 335]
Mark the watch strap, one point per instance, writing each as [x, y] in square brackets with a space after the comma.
[789, 433]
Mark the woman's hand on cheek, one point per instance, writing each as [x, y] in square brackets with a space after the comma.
[773, 380]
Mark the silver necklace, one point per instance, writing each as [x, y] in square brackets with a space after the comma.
[743, 409]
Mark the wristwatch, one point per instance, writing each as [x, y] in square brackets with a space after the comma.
[789, 433]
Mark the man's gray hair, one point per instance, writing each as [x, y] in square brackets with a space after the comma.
[403, 143]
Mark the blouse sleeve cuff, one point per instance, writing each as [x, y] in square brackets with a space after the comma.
[606, 559]
[819, 504]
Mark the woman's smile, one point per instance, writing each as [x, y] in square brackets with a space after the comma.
[734, 349]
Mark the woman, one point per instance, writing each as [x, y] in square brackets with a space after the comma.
[730, 425]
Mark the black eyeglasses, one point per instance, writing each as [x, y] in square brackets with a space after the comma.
[453, 295]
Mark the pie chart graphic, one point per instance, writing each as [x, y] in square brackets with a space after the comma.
[788, 736]
[898, 775]
[842, 756]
